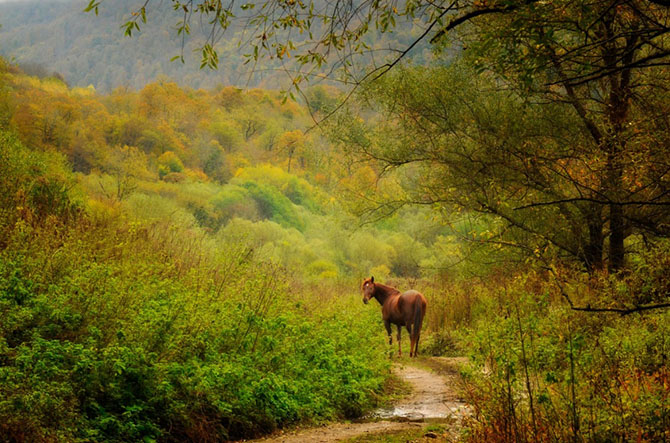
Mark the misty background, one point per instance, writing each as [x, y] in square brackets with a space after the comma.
[56, 38]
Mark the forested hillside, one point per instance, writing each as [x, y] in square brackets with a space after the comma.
[57, 36]
[221, 161]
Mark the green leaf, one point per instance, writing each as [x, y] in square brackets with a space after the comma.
[92, 6]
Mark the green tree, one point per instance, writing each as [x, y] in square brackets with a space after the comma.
[604, 60]
[169, 163]
[126, 165]
[461, 143]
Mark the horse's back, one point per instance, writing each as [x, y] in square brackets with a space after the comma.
[410, 301]
[412, 296]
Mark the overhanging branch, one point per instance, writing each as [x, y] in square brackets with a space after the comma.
[593, 200]
[622, 311]
[469, 16]
[588, 308]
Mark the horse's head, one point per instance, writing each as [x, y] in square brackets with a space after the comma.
[368, 288]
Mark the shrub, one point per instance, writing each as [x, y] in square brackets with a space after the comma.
[169, 163]
[273, 205]
[298, 190]
[322, 270]
[235, 201]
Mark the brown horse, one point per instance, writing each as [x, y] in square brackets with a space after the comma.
[406, 309]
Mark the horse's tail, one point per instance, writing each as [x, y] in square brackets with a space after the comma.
[416, 327]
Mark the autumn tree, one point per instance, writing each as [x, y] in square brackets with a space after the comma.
[293, 142]
[603, 60]
[127, 165]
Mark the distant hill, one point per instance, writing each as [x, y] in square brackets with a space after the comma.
[57, 36]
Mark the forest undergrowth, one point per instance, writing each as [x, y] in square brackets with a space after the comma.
[539, 371]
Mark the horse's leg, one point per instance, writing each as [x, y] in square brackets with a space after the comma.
[411, 339]
[387, 325]
[416, 329]
[415, 339]
[399, 345]
[416, 344]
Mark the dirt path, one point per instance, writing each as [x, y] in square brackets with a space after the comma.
[433, 399]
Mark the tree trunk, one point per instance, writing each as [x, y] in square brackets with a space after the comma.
[617, 252]
[616, 219]
[593, 252]
[615, 187]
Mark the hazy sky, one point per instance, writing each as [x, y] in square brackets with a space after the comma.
[26, 1]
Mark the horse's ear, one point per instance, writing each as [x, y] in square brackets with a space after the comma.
[372, 279]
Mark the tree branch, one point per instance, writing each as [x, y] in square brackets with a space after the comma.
[388, 66]
[588, 308]
[622, 311]
[593, 200]
[469, 16]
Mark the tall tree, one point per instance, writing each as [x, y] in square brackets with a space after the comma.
[605, 60]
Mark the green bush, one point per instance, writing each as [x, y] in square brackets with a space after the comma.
[169, 163]
[298, 190]
[273, 205]
[235, 201]
[132, 346]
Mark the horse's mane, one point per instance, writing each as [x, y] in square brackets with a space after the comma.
[390, 290]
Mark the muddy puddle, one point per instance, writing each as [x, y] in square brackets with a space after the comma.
[432, 399]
